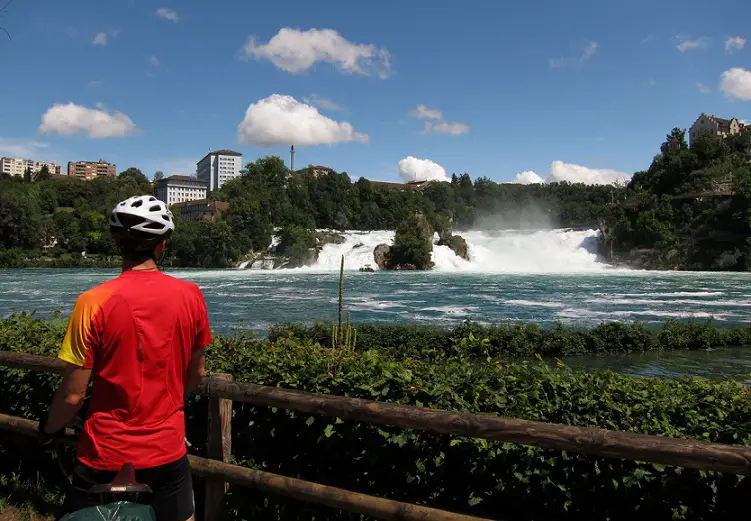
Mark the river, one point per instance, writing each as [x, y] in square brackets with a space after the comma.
[563, 282]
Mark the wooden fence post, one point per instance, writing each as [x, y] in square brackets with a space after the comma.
[218, 446]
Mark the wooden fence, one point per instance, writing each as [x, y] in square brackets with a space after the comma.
[221, 391]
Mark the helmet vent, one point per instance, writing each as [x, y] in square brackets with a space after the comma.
[137, 204]
[166, 217]
[155, 208]
[153, 226]
[151, 199]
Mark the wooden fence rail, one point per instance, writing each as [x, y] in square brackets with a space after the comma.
[599, 442]
[280, 485]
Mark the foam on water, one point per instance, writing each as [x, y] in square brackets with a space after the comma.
[357, 250]
[505, 251]
[534, 303]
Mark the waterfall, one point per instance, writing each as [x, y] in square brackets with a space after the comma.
[504, 251]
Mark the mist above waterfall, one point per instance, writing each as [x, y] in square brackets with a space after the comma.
[529, 217]
[499, 251]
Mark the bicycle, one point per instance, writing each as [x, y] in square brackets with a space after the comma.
[122, 499]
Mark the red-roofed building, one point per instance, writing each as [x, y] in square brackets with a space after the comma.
[202, 210]
[707, 124]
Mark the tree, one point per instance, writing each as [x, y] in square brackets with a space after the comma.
[27, 175]
[413, 244]
[138, 183]
[19, 221]
[674, 142]
[158, 175]
[43, 174]
[251, 230]
[213, 244]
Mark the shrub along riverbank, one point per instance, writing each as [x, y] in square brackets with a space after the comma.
[523, 339]
[494, 480]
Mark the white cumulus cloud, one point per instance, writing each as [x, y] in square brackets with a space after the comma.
[168, 14]
[282, 120]
[689, 45]
[736, 83]
[296, 51]
[416, 169]
[569, 172]
[528, 177]
[560, 171]
[703, 88]
[99, 39]
[735, 43]
[436, 122]
[68, 119]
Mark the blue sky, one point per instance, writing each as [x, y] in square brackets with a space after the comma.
[506, 87]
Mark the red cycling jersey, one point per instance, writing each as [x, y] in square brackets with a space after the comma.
[137, 333]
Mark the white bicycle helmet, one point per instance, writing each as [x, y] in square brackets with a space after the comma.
[142, 213]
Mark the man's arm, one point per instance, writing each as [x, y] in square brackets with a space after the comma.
[197, 365]
[69, 398]
[196, 370]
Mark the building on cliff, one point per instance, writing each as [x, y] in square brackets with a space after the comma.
[707, 124]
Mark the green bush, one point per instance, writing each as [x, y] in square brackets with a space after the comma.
[488, 479]
[516, 340]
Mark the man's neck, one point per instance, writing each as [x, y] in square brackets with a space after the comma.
[148, 265]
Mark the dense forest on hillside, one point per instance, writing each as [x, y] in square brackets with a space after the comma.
[689, 210]
[51, 220]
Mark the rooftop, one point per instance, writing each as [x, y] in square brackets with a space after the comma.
[219, 205]
[222, 152]
[101, 161]
[181, 178]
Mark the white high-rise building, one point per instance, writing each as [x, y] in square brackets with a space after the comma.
[180, 189]
[17, 167]
[218, 167]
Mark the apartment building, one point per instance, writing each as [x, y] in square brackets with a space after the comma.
[218, 167]
[88, 170]
[15, 166]
[180, 189]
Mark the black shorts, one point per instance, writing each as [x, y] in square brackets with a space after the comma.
[171, 484]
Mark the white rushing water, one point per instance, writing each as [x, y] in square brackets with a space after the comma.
[506, 251]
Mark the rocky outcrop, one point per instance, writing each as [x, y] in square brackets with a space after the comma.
[457, 243]
[382, 256]
[308, 258]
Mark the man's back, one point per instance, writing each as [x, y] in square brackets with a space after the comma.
[137, 333]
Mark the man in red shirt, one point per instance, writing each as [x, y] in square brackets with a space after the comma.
[141, 338]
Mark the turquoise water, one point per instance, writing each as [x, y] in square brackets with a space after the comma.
[258, 299]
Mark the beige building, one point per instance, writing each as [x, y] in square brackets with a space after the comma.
[180, 189]
[216, 168]
[14, 166]
[88, 170]
[707, 124]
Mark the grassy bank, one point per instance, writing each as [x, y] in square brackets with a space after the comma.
[495, 480]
